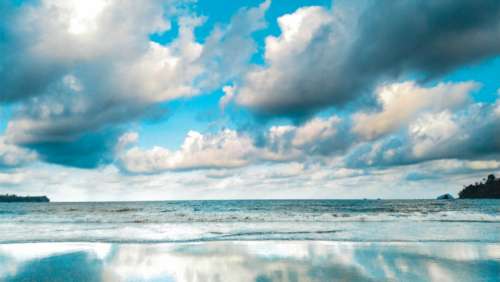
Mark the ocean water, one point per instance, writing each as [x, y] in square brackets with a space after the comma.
[260, 241]
[201, 221]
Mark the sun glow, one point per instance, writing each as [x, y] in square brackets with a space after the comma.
[82, 15]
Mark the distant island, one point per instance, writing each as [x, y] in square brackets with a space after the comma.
[23, 199]
[489, 189]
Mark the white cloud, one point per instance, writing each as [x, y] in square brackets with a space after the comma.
[297, 31]
[331, 57]
[403, 102]
[287, 56]
[93, 68]
[228, 49]
[13, 156]
[228, 96]
[316, 130]
[230, 149]
[127, 139]
[469, 133]
[318, 136]
[107, 72]
[12, 179]
[486, 165]
[432, 131]
[269, 180]
[226, 149]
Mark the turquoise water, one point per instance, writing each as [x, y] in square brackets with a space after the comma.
[262, 241]
[192, 221]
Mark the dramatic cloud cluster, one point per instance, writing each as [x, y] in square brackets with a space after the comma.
[83, 70]
[413, 124]
[348, 92]
[83, 67]
[466, 133]
[230, 149]
[328, 58]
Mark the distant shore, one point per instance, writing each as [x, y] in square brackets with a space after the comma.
[489, 188]
[23, 199]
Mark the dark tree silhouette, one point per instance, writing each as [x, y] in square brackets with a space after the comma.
[490, 189]
[19, 199]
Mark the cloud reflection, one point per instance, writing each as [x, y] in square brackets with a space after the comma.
[251, 261]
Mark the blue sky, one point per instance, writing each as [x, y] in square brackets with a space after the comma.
[194, 114]
[186, 99]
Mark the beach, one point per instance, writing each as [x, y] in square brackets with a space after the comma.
[264, 240]
[250, 261]
[261, 140]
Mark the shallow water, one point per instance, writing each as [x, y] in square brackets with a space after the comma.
[193, 221]
[250, 261]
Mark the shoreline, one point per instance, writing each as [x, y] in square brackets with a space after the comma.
[188, 242]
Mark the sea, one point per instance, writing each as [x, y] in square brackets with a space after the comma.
[251, 240]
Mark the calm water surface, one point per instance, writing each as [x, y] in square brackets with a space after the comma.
[261, 261]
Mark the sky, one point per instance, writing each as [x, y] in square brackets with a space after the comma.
[119, 100]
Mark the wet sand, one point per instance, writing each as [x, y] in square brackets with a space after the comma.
[251, 261]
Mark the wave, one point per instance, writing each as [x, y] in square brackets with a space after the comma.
[469, 231]
[127, 218]
[205, 240]
[253, 220]
[264, 234]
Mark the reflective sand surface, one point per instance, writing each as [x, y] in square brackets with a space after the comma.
[251, 261]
